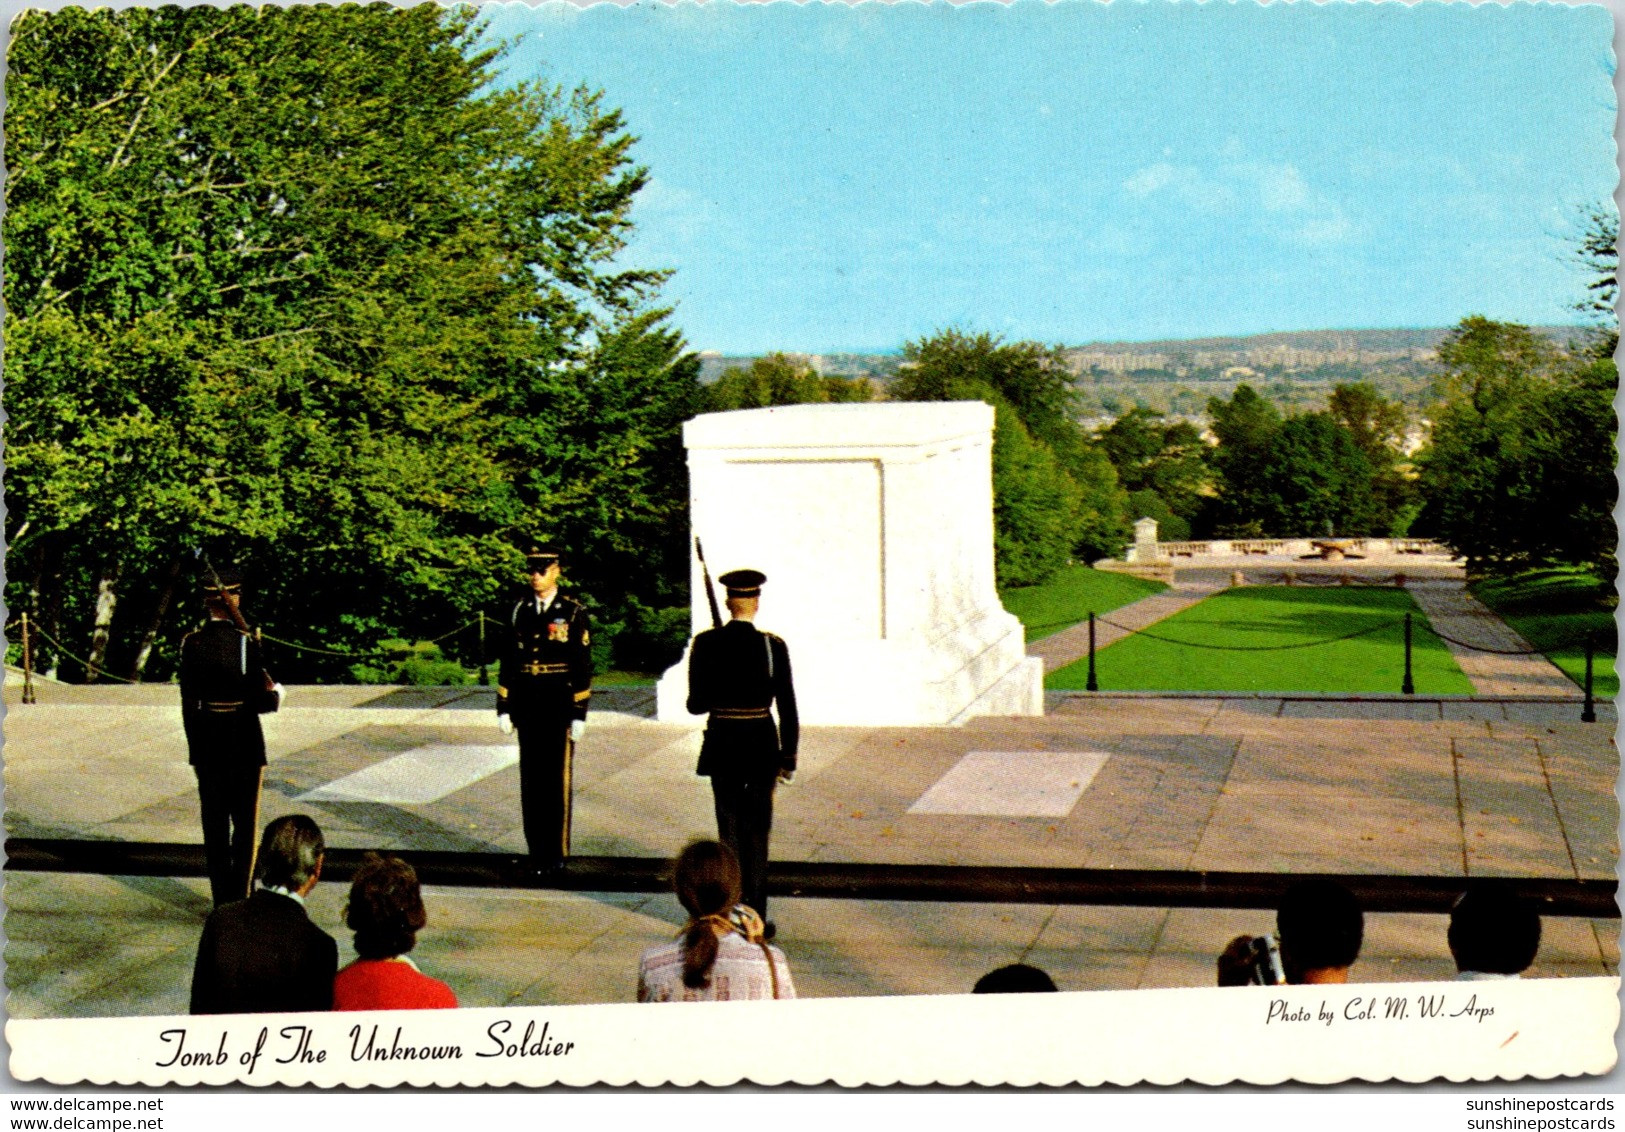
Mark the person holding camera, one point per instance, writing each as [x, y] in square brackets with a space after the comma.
[720, 954]
[1318, 931]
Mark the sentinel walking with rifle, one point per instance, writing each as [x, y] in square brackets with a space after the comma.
[224, 691]
[737, 675]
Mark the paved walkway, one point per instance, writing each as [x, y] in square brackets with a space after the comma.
[1071, 645]
[1455, 613]
[1449, 789]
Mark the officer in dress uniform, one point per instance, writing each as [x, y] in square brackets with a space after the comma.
[544, 688]
[224, 691]
[737, 673]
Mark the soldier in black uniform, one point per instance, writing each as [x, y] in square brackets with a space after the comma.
[736, 673]
[544, 688]
[224, 691]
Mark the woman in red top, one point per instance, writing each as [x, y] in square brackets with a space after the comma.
[386, 912]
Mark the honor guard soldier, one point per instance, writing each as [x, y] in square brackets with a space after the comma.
[544, 688]
[737, 674]
[224, 691]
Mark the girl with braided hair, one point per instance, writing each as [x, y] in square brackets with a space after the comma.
[720, 954]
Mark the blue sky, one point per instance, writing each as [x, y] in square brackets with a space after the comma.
[827, 177]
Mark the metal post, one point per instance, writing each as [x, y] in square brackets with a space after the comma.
[485, 674]
[1093, 684]
[28, 662]
[1409, 685]
[1588, 714]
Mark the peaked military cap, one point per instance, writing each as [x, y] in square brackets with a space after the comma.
[541, 555]
[215, 582]
[743, 583]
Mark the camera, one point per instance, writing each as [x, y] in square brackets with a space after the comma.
[1264, 962]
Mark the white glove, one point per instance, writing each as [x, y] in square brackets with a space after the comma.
[578, 728]
[505, 723]
[281, 693]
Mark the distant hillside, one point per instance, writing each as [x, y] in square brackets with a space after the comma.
[1296, 369]
[881, 366]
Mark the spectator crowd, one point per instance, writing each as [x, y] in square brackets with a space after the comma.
[264, 954]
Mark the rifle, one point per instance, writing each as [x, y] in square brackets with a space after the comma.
[710, 594]
[237, 617]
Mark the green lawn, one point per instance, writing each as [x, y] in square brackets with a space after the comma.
[1067, 598]
[1257, 616]
[1554, 610]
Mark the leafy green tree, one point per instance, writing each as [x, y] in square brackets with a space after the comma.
[1036, 505]
[1046, 473]
[1520, 469]
[1316, 481]
[1596, 253]
[338, 337]
[1377, 427]
[1167, 460]
[779, 379]
[1246, 426]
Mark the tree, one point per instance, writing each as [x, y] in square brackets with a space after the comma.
[779, 379]
[1163, 461]
[1316, 481]
[338, 338]
[1377, 426]
[1596, 253]
[1520, 469]
[1245, 426]
[1055, 493]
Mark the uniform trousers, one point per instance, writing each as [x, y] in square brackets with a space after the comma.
[229, 798]
[744, 820]
[544, 789]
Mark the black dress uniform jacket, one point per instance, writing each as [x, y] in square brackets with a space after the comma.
[263, 955]
[545, 675]
[545, 685]
[223, 694]
[736, 673]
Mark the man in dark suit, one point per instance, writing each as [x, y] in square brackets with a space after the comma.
[544, 687]
[737, 674]
[224, 690]
[263, 955]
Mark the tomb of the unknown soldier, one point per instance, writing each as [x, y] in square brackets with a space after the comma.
[874, 524]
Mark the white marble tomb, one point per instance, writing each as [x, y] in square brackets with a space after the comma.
[874, 525]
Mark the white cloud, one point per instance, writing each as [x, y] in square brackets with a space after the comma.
[1186, 183]
[1150, 179]
[1282, 189]
[1281, 196]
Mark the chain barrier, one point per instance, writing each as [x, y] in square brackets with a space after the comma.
[1254, 648]
[382, 654]
[1505, 652]
[379, 654]
[35, 630]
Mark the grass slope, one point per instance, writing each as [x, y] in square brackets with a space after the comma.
[1254, 617]
[1067, 598]
[1554, 610]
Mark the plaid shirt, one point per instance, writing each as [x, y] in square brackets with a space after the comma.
[740, 972]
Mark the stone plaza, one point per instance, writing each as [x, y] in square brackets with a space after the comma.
[1454, 788]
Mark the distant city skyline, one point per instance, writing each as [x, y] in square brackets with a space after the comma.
[823, 175]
